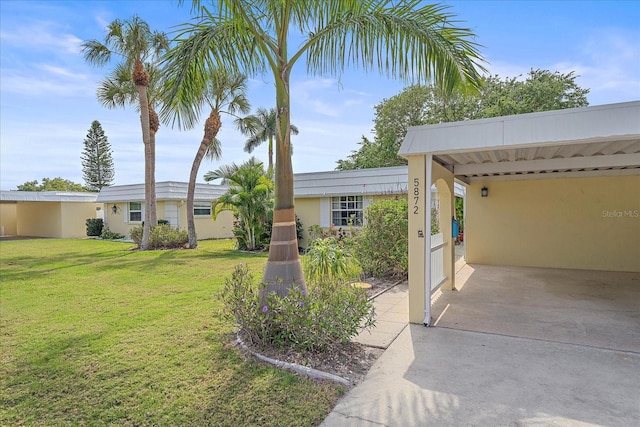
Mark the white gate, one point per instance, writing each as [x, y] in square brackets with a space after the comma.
[437, 261]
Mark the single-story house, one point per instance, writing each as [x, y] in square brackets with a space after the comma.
[335, 198]
[338, 198]
[125, 208]
[60, 214]
[556, 189]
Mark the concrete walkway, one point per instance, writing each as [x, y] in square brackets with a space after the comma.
[470, 370]
[392, 316]
[447, 377]
[392, 311]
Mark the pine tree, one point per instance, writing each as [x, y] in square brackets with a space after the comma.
[97, 163]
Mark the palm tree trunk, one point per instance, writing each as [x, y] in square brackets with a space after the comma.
[270, 170]
[154, 125]
[211, 128]
[283, 270]
[148, 164]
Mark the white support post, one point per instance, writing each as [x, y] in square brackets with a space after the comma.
[427, 241]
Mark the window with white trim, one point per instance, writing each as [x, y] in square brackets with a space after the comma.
[135, 211]
[202, 209]
[346, 210]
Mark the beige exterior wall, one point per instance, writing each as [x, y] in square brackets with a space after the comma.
[73, 219]
[417, 254]
[205, 227]
[8, 224]
[419, 228]
[308, 210]
[577, 223]
[41, 219]
[118, 221]
[54, 219]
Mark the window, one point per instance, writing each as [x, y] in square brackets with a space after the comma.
[201, 209]
[135, 212]
[346, 210]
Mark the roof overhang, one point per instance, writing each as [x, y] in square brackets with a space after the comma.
[590, 141]
[47, 196]
[365, 182]
[165, 191]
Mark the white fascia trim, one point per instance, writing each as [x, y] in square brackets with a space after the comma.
[556, 175]
[610, 161]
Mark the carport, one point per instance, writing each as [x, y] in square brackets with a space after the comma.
[57, 214]
[551, 190]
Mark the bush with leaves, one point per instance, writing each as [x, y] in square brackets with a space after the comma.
[264, 236]
[337, 233]
[162, 236]
[382, 245]
[110, 235]
[94, 226]
[328, 315]
[330, 259]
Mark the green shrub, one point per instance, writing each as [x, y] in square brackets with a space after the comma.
[329, 259]
[328, 315]
[94, 226]
[110, 235]
[162, 221]
[242, 239]
[381, 246]
[162, 236]
[136, 235]
[338, 233]
[264, 236]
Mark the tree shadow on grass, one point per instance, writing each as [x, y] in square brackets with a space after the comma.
[30, 267]
[65, 380]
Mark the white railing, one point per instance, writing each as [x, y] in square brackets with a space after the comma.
[437, 261]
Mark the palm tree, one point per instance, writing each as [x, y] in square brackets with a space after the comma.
[249, 196]
[223, 92]
[266, 132]
[404, 39]
[136, 44]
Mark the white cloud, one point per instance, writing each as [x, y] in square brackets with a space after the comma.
[612, 65]
[607, 62]
[41, 35]
[50, 80]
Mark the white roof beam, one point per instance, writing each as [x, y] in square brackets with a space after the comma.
[612, 161]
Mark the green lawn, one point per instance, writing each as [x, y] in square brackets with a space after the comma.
[93, 333]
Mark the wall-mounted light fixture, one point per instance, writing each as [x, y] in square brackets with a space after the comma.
[114, 209]
[484, 192]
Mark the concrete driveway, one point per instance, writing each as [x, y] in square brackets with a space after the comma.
[515, 347]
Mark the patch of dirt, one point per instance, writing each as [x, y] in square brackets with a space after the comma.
[350, 361]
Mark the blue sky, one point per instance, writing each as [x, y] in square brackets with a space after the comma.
[47, 91]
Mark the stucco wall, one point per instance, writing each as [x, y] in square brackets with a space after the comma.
[117, 222]
[578, 223]
[74, 218]
[41, 219]
[308, 210]
[205, 227]
[8, 225]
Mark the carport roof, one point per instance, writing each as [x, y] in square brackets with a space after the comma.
[598, 140]
[47, 196]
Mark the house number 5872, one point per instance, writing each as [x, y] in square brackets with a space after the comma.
[416, 195]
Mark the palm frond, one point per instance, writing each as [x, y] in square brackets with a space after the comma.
[408, 40]
[214, 151]
[96, 53]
